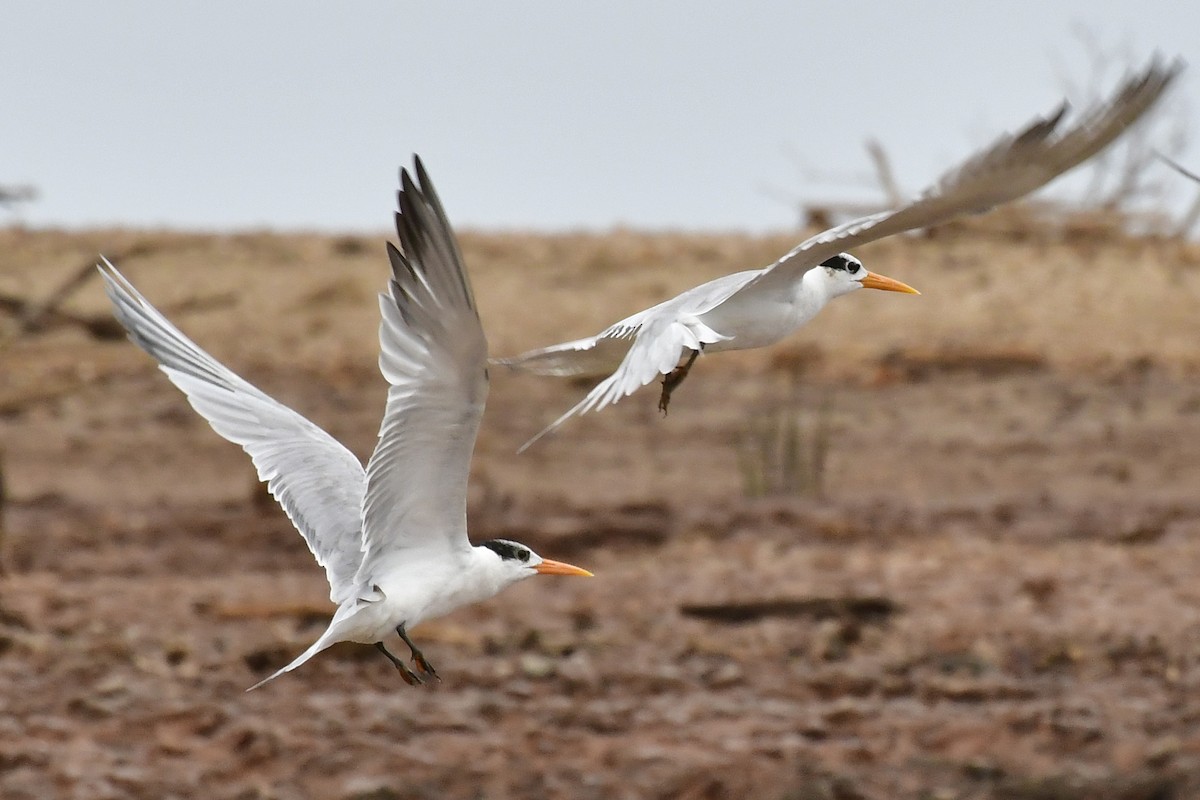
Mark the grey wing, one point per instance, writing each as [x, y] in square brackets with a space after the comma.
[434, 356]
[318, 482]
[592, 355]
[660, 336]
[595, 355]
[1010, 168]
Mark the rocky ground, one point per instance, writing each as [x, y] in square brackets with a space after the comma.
[932, 547]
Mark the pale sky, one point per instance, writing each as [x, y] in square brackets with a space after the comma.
[529, 114]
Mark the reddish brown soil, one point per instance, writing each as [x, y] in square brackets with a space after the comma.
[992, 593]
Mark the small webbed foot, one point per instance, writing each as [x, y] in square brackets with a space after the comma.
[424, 666]
[671, 381]
[417, 656]
[410, 677]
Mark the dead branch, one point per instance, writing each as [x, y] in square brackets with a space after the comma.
[83, 274]
[1192, 215]
[1120, 178]
[98, 326]
[35, 314]
[1175, 165]
[1188, 221]
[35, 317]
[883, 169]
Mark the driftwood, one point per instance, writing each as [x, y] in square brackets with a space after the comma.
[863, 609]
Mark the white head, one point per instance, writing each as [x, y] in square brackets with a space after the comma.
[843, 273]
[514, 562]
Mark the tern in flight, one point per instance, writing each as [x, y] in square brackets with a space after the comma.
[392, 538]
[759, 307]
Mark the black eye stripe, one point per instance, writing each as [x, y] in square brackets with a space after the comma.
[509, 551]
[841, 262]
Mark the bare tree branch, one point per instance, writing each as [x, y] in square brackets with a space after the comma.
[1175, 165]
[1192, 215]
[883, 169]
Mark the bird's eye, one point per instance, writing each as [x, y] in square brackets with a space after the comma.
[523, 555]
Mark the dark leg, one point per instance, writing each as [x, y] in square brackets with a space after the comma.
[672, 380]
[417, 656]
[410, 677]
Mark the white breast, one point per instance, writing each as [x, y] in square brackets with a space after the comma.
[761, 318]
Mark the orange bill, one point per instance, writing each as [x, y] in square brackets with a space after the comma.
[548, 567]
[874, 281]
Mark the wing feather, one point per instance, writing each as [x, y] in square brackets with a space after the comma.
[595, 355]
[1010, 168]
[1013, 166]
[434, 356]
[656, 350]
[318, 481]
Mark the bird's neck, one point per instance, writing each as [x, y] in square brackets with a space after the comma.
[810, 296]
[487, 573]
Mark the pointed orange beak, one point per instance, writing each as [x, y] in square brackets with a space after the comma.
[548, 567]
[873, 281]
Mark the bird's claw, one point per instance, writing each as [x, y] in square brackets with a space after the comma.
[425, 667]
[664, 399]
[410, 677]
[672, 379]
[417, 656]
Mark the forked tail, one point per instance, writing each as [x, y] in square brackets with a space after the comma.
[582, 407]
[320, 644]
[594, 355]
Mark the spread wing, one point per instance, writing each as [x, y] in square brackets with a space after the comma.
[660, 335]
[434, 355]
[1010, 168]
[318, 482]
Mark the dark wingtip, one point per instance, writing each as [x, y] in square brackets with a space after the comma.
[1056, 116]
[1167, 69]
[419, 169]
[406, 182]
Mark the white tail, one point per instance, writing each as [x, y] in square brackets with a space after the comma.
[589, 357]
[320, 644]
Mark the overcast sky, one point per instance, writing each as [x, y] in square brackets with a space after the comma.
[533, 115]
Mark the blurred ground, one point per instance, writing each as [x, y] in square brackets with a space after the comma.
[994, 596]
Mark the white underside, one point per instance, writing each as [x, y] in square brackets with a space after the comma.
[420, 587]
